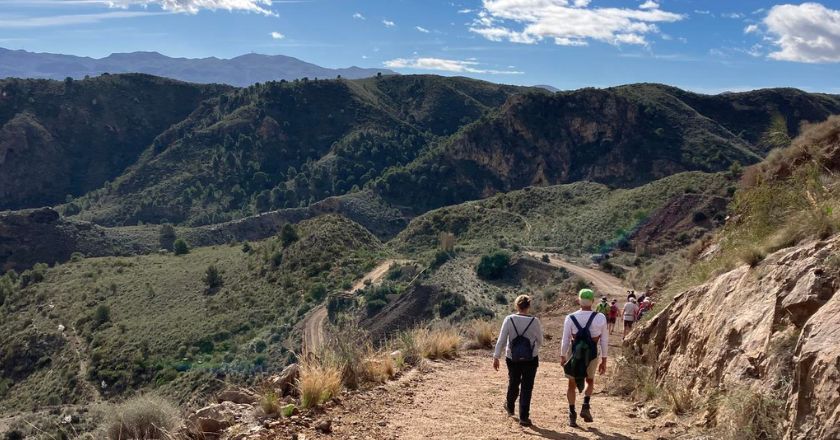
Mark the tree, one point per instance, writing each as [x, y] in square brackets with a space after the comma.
[492, 266]
[180, 247]
[288, 235]
[167, 236]
[212, 278]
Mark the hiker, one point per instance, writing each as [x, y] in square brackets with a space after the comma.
[585, 341]
[631, 294]
[630, 311]
[603, 307]
[521, 336]
[612, 315]
[645, 307]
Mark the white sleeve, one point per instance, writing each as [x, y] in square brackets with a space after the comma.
[539, 342]
[604, 341]
[501, 343]
[567, 337]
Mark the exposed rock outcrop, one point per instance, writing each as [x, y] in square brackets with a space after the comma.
[741, 326]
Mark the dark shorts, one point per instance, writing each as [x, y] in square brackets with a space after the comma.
[611, 320]
[628, 324]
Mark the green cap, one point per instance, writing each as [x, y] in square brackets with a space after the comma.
[587, 294]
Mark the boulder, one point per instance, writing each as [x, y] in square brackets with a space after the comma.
[286, 381]
[215, 418]
[238, 396]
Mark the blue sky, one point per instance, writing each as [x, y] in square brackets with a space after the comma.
[706, 46]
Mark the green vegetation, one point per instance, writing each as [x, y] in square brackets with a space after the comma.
[180, 247]
[493, 266]
[167, 237]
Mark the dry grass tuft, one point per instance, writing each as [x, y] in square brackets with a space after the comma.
[318, 383]
[378, 368]
[141, 418]
[680, 399]
[748, 414]
[632, 378]
[270, 403]
[752, 256]
[481, 333]
[439, 343]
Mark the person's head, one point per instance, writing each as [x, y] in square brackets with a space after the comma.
[522, 303]
[604, 299]
[633, 300]
[614, 301]
[586, 297]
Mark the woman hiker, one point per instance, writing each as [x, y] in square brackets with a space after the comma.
[521, 337]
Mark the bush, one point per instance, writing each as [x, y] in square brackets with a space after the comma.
[493, 266]
[288, 235]
[374, 306]
[318, 383]
[101, 315]
[318, 292]
[545, 258]
[450, 304]
[167, 237]
[270, 403]
[440, 258]
[212, 278]
[180, 247]
[748, 414]
[140, 418]
[751, 256]
[501, 298]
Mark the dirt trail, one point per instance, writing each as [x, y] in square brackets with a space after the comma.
[604, 283]
[313, 325]
[462, 399]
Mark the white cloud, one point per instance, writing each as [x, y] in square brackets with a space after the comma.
[702, 12]
[194, 6]
[358, 16]
[808, 33]
[567, 22]
[421, 29]
[277, 36]
[732, 15]
[649, 4]
[388, 23]
[464, 11]
[751, 29]
[445, 65]
[69, 20]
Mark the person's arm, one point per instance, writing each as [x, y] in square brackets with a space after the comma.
[604, 342]
[564, 344]
[539, 340]
[503, 338]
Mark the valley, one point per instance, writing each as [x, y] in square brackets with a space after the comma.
[178, 240]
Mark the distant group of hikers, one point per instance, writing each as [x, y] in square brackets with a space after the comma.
[583, 349]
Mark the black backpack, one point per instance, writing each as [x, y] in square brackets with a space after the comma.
[521, 348]
[584, 350]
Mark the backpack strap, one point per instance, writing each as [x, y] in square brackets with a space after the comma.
[514, 326]
[575, 321]
[529, 324]
[591, 318]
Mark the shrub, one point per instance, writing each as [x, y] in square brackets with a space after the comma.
[180, 247]
[545, 258]
[631, 377]
[101, 315]
[481, 333]
[679, 398]
[318, 383]
[288, 235]
[374, 306]
[450, 304]
[318, 292]
[493, 266]
[441, 343]
[270, 403]
[378, 368]
[167, 237]
[751, 255]
[212, 278]
[501, 298]
[143, 417]
[77, 257]
[440, 258]
[246, 247]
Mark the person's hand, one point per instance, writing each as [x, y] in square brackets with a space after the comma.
[562, 360]
[496, 364]
[602, 367]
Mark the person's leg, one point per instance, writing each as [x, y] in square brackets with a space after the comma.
[571, 392]
[588, 390]
[529, 373]
[514, 379]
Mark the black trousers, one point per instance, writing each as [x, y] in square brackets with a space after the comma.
[521, 374]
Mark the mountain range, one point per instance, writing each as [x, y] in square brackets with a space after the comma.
[243, 70]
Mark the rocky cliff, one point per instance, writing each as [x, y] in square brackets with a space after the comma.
[774, 327]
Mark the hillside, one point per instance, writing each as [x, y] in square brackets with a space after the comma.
[624, 136]
[240, 71]
[283, 145]
[155, 322]
[68, 138]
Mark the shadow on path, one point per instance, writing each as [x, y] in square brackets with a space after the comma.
[535, 430]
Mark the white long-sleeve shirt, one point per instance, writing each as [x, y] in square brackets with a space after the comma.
[598, 328]
[534, 333]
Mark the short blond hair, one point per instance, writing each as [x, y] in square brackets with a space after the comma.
[522, 302]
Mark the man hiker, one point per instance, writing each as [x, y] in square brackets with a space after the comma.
[630, 311]
[521, 337]
[583, 351]
[603, 306]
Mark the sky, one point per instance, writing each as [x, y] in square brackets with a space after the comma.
[708, 46]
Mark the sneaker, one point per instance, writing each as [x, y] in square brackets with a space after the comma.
[573, 420]
[525, 422]
[587, 416]
[508, 410]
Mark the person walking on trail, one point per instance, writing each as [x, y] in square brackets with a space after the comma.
[631, 309]
[612, 316]
[603, 306]
[521, 337]
[582, 352]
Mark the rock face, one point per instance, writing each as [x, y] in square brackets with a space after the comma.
[741, 327]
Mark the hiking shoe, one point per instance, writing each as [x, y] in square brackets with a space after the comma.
[573, 421]
[525, 422]
[509, 410]
[587, 416]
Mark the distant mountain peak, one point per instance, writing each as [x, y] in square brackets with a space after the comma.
[234, 71]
